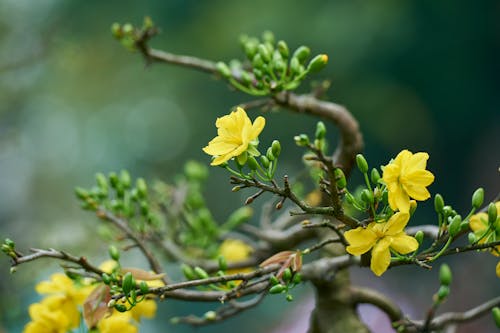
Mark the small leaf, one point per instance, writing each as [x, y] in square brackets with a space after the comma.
[95, 306]
[140, 274]
[278, 258]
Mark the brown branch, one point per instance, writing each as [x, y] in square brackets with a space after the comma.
[369, 296]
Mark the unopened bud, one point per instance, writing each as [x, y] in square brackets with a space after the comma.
[264, 161]
[471, 237]
[367, 196]
[301, 140]
[277, 289]
[317, 63]
[276, 148]
[200, 273]
[340, 178]
[269, 154]
[252, 163]
[116, 30]
[114, 253]
[443, 292]
[362, 164]
[264, 53]
[283, 49]
[128, 29]
[454, 226]
[223, 69]
[492, 213]
[374, 176]
[496, 315]
[222, 263]
[301, 53]
[210, 315]
[445, 275]
[320, 130]
[419, 236]
[478, 198]
[438, 203]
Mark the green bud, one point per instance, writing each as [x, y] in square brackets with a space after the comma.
[419, 236]
[6, 249]
[252, 163]
[289, 298]
[10, 243]
[147, 23]
[287, 275]
[277, 289]
[111, 303]
[222, 263]
[317, 63]
[350, 198]
[478, 198]
[438, 203]
[320, 130]
[301, 53]
[13, 270]
[200, 273]
[101, 180]
[295, 66]
[188, 272]
[143, 286]
[301, 140]
[144, 208]
[128, 29]
[362, 164]
[445, 275]
[264, 53]
[258, 75]
[113, 179]
[443, 292]
[283, 49]
[340, 178]
[492, 213]
[471, 237]
[116, 30]
[257, 62]
[128, 283]
[264, 161]
[464, 225]
[250, 49]
[246, 78]
[114, 253]
[367, 196]
[210, 315]
[269, 154]
[297, 278]
[375, 176]
[223, 69]
[106, 279]
[268, 36]
[454, 226]
[142, 188]
[125, 178]
[120, 308]
[81, 193]
[273, 280]
[496, 315]
[276, 148]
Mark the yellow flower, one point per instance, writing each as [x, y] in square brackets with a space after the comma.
[45, 319]
[407, 178]
[146, 308]
[234, 250]
[498, 269]
[481, 228]
[380, 238]
[117, 322]
[234, 133]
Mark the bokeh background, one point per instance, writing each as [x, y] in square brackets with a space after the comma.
[422, 75]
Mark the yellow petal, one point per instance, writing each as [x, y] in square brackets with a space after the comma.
[402, 158]
[361, 240]
[498, 269]
[217, 147]
[402, 243]
[396, 223]
[257, 127]
[391, 174]
[381, 256]
[417, 161]
[418, 178]
[399, 200]
[417, 192]
[478, 222]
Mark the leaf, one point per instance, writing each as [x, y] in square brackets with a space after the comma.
[95, 306]
[277, 258]
[140, 274]
[296, 261]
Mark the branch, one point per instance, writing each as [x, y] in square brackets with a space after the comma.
[369, 296]
[325, 268]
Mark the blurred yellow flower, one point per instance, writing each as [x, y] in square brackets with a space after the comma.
[234, 250]
[117, 322]
[380, 238]
[45, 319]
[407, 178]
[481, 228]
[234, 133]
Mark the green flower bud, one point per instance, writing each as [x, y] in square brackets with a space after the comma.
[496, 315]
[264, 53]
[277, 289]
[320, 130]
[200, 273]
[143, 286]
[492, 213]
[362, 164]
[276, 148]
[268, 36]
[223, 69]
[471, 237]
[257, 62]
[246, 78]
[454, 226]
[250, 49]
[114, 253]
[269, 154]
[287, 275]
[147, 23]
[289, 298]
[419, 236]
[120, 308]
[116, 30]
[127, 29]
[101, 180]
[367, 196]
[445, 275]
[301, 140]
[111, 303]
[340, 178]
[350, 198]
[478, 198]
[252, 163]
[297, 278]
[374, 176]
[438, 203]
[81, 193]
[273, 280]
[301, 53]
[283, 49]
[10, 243]
[128, 283]
[125, 178]
[210, 315]
[295, 67]
[443, 292]
[194, 171]
[264, 161]
[464, 225]
[142, 188]
[144, 208]
[222, 263]
[317, 63]
[188, 272]
[106, 279]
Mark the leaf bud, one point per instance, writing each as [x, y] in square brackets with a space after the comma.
[81, 193]
[210, 315]
[496, 315]
[116, 30]
[419, 236]
[478, 198]
[362, 164]
[438, 203]
[301, 53]
[340, 178]
[443, 292]
[320, 130]
[114, 253]
[492, 213]
[200, 273]
[445, 275]
[264, 53]
[101, 180]
[277, 289]
[454, 226]
[283, 49]
[223, 69]
[9, 242]
[375, 176]
[188, 272]
[276, 148]
[317, 63]
[287, 275]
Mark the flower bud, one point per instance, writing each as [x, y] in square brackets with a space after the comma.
[273, 280]
[222, 263]
[367, 196]
[287, 275]
[301, 140]
[301, 53]
[297, 278]
[264, 161]
[269, 154]
[142, 189]
[295, 66]
[276, 148]
[419, 236]
[471, 237]
[113, 179]
[496, 315]
[413, 206]
[128, 283]
[246, 78]
[283, 49]
[277, 289]
[116, 30]
[127, 29]
[223, 69]
[374, 176]
[111, 303]
[114, 253]
[340, 178]
[264, 53]
[257, 62]
[443, 292]
[438, 203]
[268, 37]
[10, 243]
[120, 307]
[144, 208]
[210, 315]
[454, 226]
[478, 198]
[125, 178]
[289, 298]
[81, 193]
[317, 63]
[106, 279]
[250, 49]
[492, 213]
[143, 286]
[252, 163]
[200, 273]
[320, 130]
[362, 164]
[188, 272]
[445, 275]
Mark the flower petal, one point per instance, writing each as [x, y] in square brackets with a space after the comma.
[360, 239]
[417, 161]
[257, 127]
[381, 256]
[498, 269]
[402, 243]
[218, 147]
[396, 223]
[399, 200]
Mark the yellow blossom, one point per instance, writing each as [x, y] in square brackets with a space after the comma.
[234, 134]
[407, 178]
[380, 238]
[146, 308]
[45, 320]
[117, 322]
[234, 250]
[481, 228]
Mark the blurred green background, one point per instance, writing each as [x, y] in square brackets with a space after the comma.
[422, 75]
